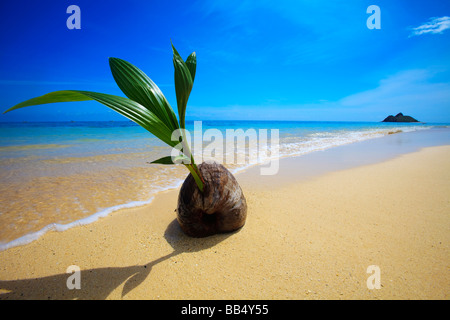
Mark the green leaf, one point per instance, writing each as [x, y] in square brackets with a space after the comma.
[175, 160]
[146, 105]
[183, 85]
[137, 86]
[126, 107]
[191, 63]
[56, 96]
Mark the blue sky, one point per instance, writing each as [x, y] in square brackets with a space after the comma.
[257, 60]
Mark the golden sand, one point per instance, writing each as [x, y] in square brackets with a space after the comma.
[309, 239]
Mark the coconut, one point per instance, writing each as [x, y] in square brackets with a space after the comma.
[220, 208]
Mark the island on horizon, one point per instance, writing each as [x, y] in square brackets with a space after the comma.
[399, 118]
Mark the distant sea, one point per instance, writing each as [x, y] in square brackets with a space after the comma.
[57, 175]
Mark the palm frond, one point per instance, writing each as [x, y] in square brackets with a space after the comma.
[146, 105]
[183, 84]
[137, 86]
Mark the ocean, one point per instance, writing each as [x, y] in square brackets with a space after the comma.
[57, 175]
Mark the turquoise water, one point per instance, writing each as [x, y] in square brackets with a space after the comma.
[57, 175]
[65, 139]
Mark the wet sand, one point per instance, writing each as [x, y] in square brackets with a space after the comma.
[310, 238]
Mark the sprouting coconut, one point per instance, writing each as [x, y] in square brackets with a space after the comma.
[221, 207]
[210, 200]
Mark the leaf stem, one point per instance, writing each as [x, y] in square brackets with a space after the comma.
[196, 176]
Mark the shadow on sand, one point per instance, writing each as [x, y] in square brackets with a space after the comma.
[99, 283]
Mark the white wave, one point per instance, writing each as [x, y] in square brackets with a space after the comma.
[28, 238]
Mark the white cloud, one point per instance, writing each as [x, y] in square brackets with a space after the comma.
[410, 86]
[434, 25]
[417, 92]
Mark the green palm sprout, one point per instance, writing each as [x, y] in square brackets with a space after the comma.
[146, 105]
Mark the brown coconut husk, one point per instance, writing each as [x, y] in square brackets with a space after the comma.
[220, 208]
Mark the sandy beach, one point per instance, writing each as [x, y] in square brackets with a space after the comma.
[311, 238]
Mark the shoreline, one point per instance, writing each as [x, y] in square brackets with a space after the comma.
[348, 156]
[313, 165]
[318, 245]
[326, 231]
